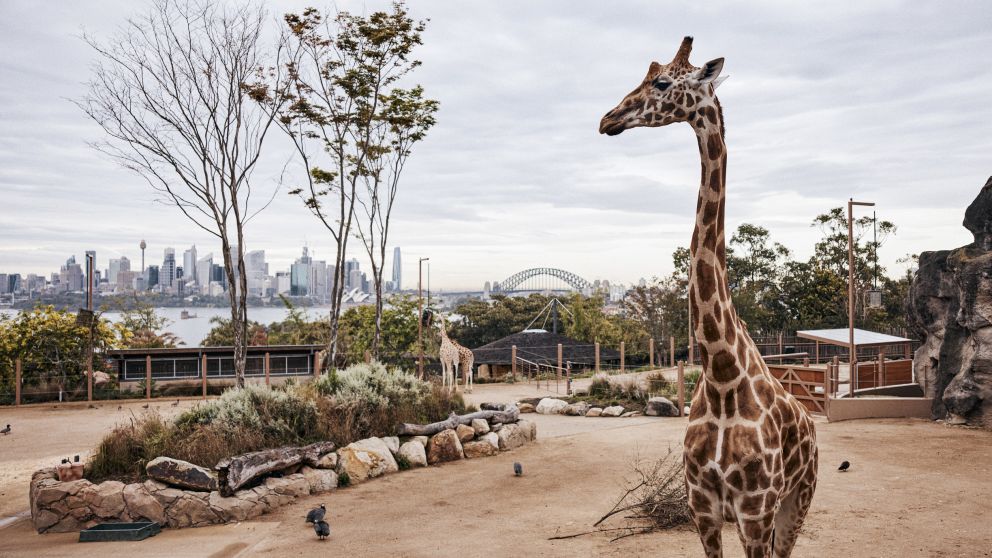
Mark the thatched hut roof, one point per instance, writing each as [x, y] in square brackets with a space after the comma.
[540, 346]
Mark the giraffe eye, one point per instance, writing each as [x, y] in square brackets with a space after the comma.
[661, 84]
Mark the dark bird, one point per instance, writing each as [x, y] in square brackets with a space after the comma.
[92, 406]
[5, 431]
[119, 407]
[176, 403]
[322, 529]
[844, 466]
[145, 406]
[316, 514]
[75, 459]
[518, 469]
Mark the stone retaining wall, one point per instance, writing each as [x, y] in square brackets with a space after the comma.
[58, 507]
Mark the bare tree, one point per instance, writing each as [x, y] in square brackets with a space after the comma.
[186, 97]
[352, 128]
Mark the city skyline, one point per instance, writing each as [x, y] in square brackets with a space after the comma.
[514, 174]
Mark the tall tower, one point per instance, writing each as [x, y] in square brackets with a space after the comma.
[397, 270]
[142, 245]
[167, 273]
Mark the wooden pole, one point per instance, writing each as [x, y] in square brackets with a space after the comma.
[906, 351]
[651, 352]
[513, 361]
[89, 377]
[268, 368]
[671, 350]
[597, 356]
[835, 381]
[316, 365]
[559, 367]
[17, 382]
[827, 384]
[621, 357]
[780, 346]
[681, 389]
[203, 374]
[817, 353]
[148, 376]
[880, 377]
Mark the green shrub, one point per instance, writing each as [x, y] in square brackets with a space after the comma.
[343, 480]
[402, 462]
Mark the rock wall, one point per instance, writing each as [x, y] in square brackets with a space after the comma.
[950, 308]
[60, 507]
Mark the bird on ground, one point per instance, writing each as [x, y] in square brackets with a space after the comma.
[92, 406]
[316, 514]
[5, 431]
[176, 404]
[518, 469]
[844, 466]
[119, 407]
[322, 529]
[145, 406]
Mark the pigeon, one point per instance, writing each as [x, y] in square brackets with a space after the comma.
[176, 403]
[145, 406]
[5, 431]
[322, 529]
[844, 466]
[518, 469]
[316, 514]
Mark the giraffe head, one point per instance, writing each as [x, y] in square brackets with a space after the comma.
[668, 93]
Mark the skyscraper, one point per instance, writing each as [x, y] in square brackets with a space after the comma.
[301, 275]
[203, 268]
[397, 270]
[152, 276]
[116, 266]
[167, 273]
[189, 265]
[255, 271]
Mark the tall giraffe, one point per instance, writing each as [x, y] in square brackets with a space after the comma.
[449, 356]
[750, 447]
[466, 359]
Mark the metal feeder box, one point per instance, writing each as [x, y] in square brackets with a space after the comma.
[105, 532]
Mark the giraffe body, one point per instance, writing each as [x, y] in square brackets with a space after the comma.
[750, 447]
[449, 358]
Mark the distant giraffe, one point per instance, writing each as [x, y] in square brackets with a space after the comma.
[750, 447]
[466, 359]
[449, 355]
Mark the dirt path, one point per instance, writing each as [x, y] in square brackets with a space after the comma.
[915, 489]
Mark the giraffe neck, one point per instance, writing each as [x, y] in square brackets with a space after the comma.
[714, 320]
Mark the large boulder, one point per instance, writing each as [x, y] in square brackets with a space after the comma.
[392, 442]
[183, 474]
[320, 480]
[661, 407]
[578, 409]
[613, 411]
[414, 453]
[327, 461]
[950, 309]
[444, 446]
[366, 459]
[105, 500]
[486, 445]
[529, 429]
[594, 412]
[465, 433]
[551, 406]
[141, 505]
[526, 408]
[513, 436]
[480, 427]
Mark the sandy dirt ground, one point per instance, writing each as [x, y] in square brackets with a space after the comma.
[915, 488]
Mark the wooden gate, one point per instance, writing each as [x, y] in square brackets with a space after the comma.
[805, 383]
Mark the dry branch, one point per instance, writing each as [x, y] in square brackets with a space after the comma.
[511, 414]
[235, 472]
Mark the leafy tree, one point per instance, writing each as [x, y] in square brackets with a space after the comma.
[754, 268]
[815, 296]
[222, 334]
[399, 332]
[484, 322]
[296, 329]
[52, 347]
[142, 327]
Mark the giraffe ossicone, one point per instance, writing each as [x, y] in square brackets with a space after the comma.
[750, 447]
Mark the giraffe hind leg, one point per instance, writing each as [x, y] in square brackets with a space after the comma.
[790, 517]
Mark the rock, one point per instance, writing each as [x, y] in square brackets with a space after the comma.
[512, 436]
[578, 409]
[594, 412]
[392, 442]
[486, 445]
[191, 509]
[180, 473]
[950, 309]
[551, 406]
[444, 446]
[629, 414]
[327, 461]
[320, 480]
[414, 453]
[661, 407]
[490, 406]
[614, 411]
[422, 440]
[496, 427]
[105, 500]
[465, 433]
[529, 428]
[366, 459]
[234, 508]
[526, 408]
[100, 378]
[141, 504]
[480, 426]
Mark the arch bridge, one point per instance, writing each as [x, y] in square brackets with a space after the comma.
[513, 282]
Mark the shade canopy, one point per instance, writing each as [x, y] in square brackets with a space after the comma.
[842, 337]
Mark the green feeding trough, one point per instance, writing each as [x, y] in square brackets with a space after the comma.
[105, 532]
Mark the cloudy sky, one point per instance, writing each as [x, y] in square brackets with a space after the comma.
[886, 101]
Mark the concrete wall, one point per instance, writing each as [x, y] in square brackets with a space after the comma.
[878, 407]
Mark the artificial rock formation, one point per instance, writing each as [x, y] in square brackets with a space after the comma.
[950, 307]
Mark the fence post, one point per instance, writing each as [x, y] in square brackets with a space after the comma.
[827, 383]
[267, 368]
[651, 352]
[681, 389]
[835, 381]
[671, 350]
[203, 374]
[817, 353]
[513, 363]
[316, 365]
[559, 368]
[881, 366]
[621, 357]
[148, 376]
[781, 348]
[597, 357]
[806, 362]
[17, 382]
[89, 378]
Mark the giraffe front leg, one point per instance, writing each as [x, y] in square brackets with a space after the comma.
[706, 515]
[792, 513]
[756, 535]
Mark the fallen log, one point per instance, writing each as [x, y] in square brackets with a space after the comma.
[511, 414]
[235, 472]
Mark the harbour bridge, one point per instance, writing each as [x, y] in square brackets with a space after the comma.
[542, 279]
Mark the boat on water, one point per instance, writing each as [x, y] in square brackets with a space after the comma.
[185, 315]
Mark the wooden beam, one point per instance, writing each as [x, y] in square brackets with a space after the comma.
[513, 361]
[17, 382]
[597, 356]
[268, 367]
[621, 357]
[148, 376]
[651, 352]
[559, 367]
[681, 388]
[671, 350]
[203, 374]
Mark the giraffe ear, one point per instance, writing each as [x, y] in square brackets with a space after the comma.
[719, 80]
[709, 72]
